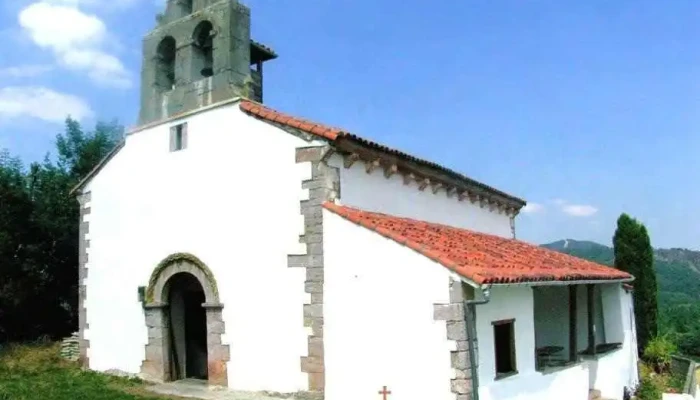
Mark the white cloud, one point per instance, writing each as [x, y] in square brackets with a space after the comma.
[579, 210]
[77, 40]
[97, 4]
[41, 103]
[575, 210]
[25, 71]
[531, 208]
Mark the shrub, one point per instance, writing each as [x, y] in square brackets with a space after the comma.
[649, 389]
[658, 353]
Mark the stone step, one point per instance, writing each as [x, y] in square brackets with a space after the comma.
[197, 389]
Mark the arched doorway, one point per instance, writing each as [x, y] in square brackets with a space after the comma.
[184, 321]
[188, 327]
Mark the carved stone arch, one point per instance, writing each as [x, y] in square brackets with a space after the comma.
[157, 363]
[175, 264]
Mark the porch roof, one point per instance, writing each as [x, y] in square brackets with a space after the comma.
[480, 257]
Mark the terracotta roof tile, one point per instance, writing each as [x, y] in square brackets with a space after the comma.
[307, 126]
[482, 258]
[331, 133]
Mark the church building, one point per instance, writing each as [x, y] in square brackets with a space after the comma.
[229, 242]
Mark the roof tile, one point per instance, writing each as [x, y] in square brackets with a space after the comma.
[480, 257]
[331, 133]
[271, 115]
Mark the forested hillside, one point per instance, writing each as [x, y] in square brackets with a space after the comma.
[678, 275]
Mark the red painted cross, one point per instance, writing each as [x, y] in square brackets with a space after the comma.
[384, 392]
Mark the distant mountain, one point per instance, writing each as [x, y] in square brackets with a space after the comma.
[678, 270]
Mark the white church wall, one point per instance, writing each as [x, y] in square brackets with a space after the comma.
[231, 198]
[375, 192]
[378, 315]
[516, 302]
[609, 373]
[613, 371]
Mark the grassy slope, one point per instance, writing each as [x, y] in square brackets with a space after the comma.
[37, 372]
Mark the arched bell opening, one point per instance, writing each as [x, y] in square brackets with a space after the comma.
[203, 50]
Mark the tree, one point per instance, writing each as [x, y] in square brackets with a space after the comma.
[634, 254]
[39, 234]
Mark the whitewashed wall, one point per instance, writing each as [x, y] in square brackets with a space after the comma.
[232, 199]
[374, 192]
[378, 315]
[608, 373]
[517, 302]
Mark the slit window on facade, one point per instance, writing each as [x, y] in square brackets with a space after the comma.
[178, 137]
[504, 344]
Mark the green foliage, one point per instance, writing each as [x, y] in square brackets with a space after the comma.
[634, 254]
[37, 372]
[649, 389]
[39, 234]
[658, 353]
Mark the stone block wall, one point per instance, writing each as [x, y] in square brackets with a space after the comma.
[455, 317]
[323, 186]
[83, 245]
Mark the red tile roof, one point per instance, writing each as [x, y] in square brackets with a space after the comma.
[307, 126]
[333, 134]
[482, 258]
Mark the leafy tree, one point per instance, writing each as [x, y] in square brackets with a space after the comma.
[39, 234]
[634, 254]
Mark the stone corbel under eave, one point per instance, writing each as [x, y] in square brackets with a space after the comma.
[390, 167]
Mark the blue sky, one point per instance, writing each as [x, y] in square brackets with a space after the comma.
[585, 109]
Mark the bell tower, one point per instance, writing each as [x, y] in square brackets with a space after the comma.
[200, 53]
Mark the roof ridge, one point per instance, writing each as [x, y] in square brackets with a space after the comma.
[304, 124]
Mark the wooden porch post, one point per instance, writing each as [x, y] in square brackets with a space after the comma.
[572, 323]
[591, 319]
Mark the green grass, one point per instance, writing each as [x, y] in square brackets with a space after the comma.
[38, 372]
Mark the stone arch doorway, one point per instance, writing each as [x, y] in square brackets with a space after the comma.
[179, 284]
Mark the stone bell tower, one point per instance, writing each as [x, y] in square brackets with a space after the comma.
[200, 53]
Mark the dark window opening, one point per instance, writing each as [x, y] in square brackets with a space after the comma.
[504, 343]
[178, 137]
[187, 7]
[165, 64]
[203, 44]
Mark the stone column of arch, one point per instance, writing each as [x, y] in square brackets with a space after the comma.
[157, 363]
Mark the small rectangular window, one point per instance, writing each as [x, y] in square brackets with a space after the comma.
[178, 137]
[504, 343]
